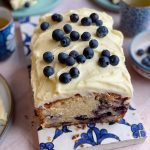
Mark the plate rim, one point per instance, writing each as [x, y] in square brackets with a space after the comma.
[17, 14]
[115, 8]
[11, 107]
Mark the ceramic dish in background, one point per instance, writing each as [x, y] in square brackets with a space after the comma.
[41, 7]
[108, 4]
[140, 41]
[6, 97]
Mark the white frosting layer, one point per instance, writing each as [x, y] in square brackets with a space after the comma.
[92, 78]
[18, 4]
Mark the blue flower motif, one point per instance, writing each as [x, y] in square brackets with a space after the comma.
[131, 108]
[10, 40]
[138, 130]
[24, 20]
[123, 121]
[26, 40]
[59, 132]
[88, 138]
[47, 146]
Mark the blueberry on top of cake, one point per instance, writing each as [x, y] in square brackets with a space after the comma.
[87, 67]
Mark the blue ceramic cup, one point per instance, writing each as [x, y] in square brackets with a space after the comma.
[135, 16]
[7, 35]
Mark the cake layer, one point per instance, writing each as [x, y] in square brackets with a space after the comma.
[92, 78]
[95, 107]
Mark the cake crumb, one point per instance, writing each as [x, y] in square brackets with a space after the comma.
[81, 145]
[49, 138]
[80, 126]
[75, 136]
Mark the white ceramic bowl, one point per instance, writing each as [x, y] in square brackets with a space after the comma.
[140, 41]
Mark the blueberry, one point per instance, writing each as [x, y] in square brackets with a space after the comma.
[88, 52]
[48, 71]
[86, 36]
[65, 78]
[94, 17]
[62, 57]
[81, 59]
[65, 41]
[57, 17]
[74, 54]
[103, 61]
[140, 52]
[105, 53]
[148, 50]
[27, 4]
[74, 18]
[74, 36]
[70, 61]
[99, 22]
[93, 43]
[102, 31]
[146, 61]
[57, 34]
[67, 28]
[114, 60]
[48, 57]
[86, 21]
[44, 26]
[74, 72]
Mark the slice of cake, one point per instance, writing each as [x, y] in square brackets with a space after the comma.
[3, 114]
[19, 4]
[78, 69]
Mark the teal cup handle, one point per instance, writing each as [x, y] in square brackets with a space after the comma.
[134, 19]
[7, 35]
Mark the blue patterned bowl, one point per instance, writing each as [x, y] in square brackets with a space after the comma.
[7, 35]
[134, 19]
[141, 41]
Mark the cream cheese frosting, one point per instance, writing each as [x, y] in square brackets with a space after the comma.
[18, 4]
[92, 78]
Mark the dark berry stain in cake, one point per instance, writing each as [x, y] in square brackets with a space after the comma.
[74, 137]
[82, 117]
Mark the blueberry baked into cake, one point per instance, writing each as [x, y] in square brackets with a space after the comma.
[78, 69]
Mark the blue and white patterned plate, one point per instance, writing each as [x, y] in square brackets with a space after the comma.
[127, 132]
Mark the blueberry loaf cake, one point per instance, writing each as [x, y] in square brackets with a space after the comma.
[78, 69]
[19, 4]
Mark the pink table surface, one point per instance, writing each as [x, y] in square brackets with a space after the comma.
[22, 135]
